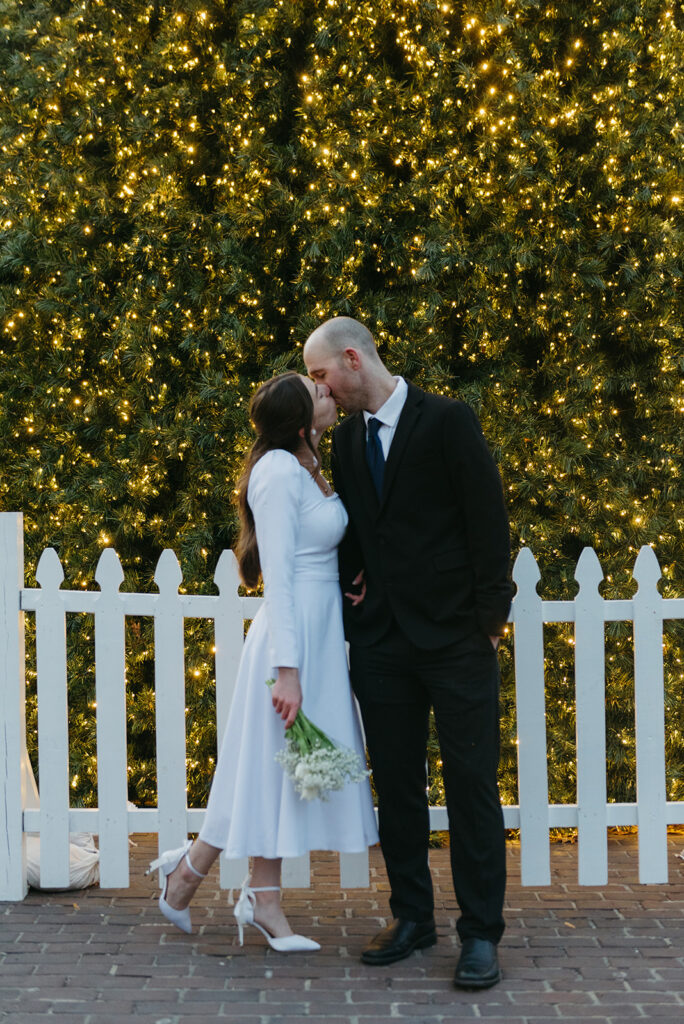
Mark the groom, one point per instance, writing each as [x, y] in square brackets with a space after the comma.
[428, 545]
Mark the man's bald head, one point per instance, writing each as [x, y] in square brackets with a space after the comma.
[340, 333]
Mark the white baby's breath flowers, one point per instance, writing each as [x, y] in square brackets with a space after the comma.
[316, 765]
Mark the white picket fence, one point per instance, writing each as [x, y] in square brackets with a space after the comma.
[113, 820]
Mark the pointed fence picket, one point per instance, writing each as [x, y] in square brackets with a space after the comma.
[113, 820]
[649, 700]
[533, 788]
[110, 701]
[228, 633]
[590, 686]
[53, 724]
[169, 681]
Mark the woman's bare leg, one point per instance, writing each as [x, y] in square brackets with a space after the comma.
[182, 883]
[268, 911]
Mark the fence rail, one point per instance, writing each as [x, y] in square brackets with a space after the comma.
[114, 821]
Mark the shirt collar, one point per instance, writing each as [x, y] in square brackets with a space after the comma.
[389, 413]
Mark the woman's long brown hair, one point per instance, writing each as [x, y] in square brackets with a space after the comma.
[278, 410]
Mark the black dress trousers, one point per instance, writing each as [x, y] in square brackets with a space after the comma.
[396, 684]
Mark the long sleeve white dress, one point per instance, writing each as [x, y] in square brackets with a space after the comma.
[253, 808]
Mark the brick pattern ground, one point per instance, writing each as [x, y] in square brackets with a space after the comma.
[570, 953]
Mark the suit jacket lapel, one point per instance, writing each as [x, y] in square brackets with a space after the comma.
[407, 420]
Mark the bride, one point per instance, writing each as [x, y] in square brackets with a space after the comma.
[290, 525]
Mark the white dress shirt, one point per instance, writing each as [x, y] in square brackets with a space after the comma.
[389, 414]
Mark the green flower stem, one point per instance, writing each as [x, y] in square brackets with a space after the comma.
[304, 732]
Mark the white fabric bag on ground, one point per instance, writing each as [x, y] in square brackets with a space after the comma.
[84, 864]
[84, 858]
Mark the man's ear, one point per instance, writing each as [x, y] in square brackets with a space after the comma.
[352, 358]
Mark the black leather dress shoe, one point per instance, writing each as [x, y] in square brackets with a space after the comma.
[398, 940]
[478, 965]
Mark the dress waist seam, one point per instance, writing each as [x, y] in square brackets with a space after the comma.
[309, 577]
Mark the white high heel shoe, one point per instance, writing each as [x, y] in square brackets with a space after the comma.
[244, 914]
[168, 862]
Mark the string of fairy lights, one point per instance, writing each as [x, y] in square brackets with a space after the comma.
[188, 189]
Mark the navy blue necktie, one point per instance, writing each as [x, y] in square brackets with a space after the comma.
[374, 454]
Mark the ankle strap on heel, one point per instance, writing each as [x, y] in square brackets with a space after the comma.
[193, 869]
[247, 892]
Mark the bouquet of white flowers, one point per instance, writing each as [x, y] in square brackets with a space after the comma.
[316, 765]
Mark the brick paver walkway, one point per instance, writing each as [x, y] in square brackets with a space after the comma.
[569, 953]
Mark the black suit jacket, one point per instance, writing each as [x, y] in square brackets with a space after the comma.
[435, 548]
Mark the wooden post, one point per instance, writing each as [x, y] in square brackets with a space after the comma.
[12, 707]
[533, 785]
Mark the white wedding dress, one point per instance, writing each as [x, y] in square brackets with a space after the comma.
[253, 809]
